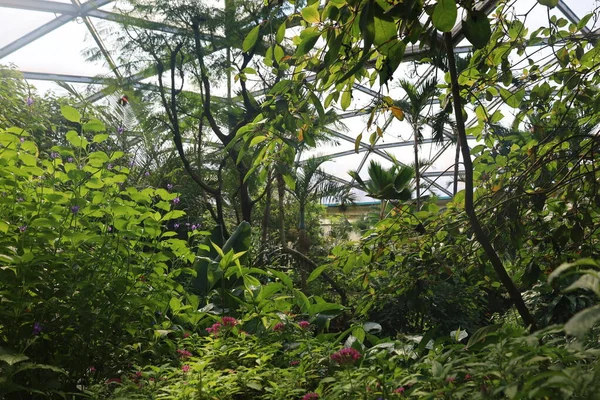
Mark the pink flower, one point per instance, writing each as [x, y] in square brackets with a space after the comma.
[138, 374]
[468, 377]
[214, 329]
[400, 390]
[304, 324]
[450, 379]
[186, 335]
[185, 368]
[113, 380]
[346, 356]
[293, 363]
[92, 369]
[279, 327]
[184, 353]
[310, 396]
[229, 322]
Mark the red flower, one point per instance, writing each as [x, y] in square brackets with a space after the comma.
[400, 390]
[346, 356]
[229, 322]
[185, 368]
[214, 329]
[279, 327]
[310, 396]
[304, 324]
[186, 335]
[468, 377]
[113, 380]
[450, 379]
[293, 363]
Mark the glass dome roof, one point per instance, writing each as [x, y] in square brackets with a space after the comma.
[50, 41]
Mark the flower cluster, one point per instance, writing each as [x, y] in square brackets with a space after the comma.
[279, 327]
[214, 329]
[310, 396]
[346, 356]
[184, 353]
[400, 390]
[185, 368]
[229, 322]
[304, 324]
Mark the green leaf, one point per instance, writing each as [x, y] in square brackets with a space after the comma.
[357, 142]
[76, 140]
[256, 140]
[70, 114]
[307, 43]
[94, 125]
[482, 334]
[367, 26]
[477, 29]
[346, 99]
[583, 321]
[512, 99]
[549, 3]
[311, 14]
[316, 273]
[444, 15]
[281, 32]
[251, 39]
[385, 27]
[289, 181]
[100, 138]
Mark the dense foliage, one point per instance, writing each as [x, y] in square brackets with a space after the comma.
[201, 272]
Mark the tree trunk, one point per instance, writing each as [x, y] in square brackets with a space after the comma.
[480, 235]
[303, 245]
[456, 165]
[281, 194]
[267, 215]
[417, 177]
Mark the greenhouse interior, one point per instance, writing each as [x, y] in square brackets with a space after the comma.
[299, 199]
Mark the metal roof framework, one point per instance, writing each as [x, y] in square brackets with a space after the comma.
[83, 11]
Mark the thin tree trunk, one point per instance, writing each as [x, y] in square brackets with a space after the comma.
[480, 235]
[417, 177]
[456, 165]
[303, 246]
[281, 193]
[266, 217]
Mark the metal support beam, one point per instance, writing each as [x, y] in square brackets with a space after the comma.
[571, 16]
[46, 28]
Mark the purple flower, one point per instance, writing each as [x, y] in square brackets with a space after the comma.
[176, 200]
[20, 199]
[346, 356]
[109, 228]
[169, 186]
[147, 173]
[109, 166]
[75, 209]
[70, 159]
[176, 226]
[29, 101]
[37, 328]
[131, 163]
[22, 139]
[120, 130]
[193, 227]
[23, 228]
[54, 155]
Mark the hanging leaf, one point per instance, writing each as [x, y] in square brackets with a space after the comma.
[549, 3]
[307, 43]
[70, 114]
[346, 99]
[398, 113]
[367, 26]
[385, 27]
[583, 321]
[477, 29]
[444, 15]
[251, 39]
[357, 142]
[289, 181]
[311, 14]
[281, 32]
[256, 140]
[512, 99]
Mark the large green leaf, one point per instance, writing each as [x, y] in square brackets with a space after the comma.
[444, 15]
[70, 114]
[477, 29]
[549, 3]
[251, 39]
[583, 321]
[307, 43]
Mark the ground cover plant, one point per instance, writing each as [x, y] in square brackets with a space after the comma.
[128, 273]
